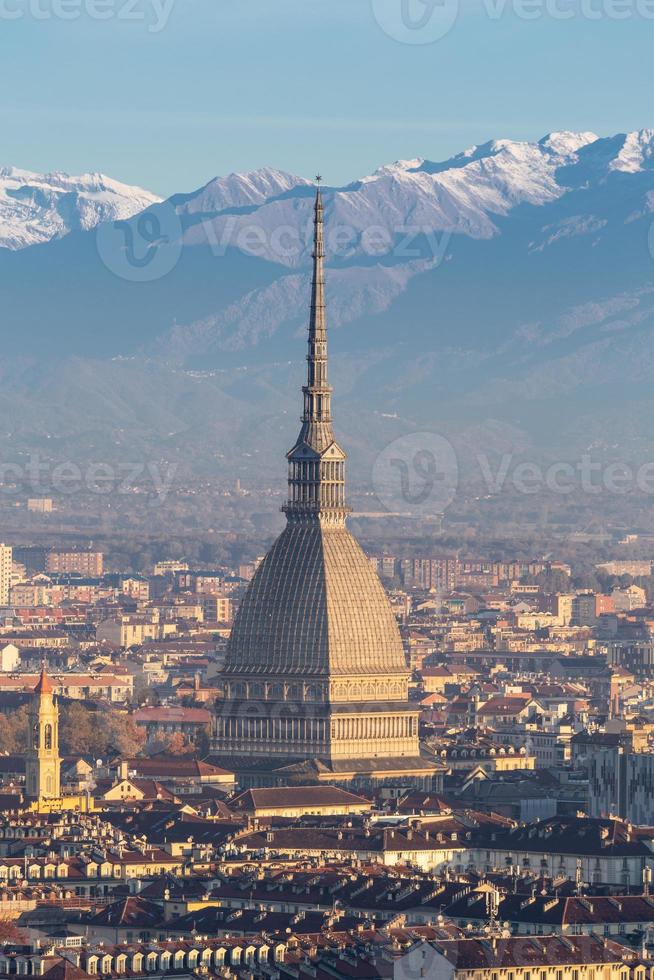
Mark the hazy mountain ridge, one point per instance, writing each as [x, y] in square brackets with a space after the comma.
[512, 292]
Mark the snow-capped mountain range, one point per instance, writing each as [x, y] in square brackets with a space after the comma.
[36, 208]
[462, 195]
[512, 280]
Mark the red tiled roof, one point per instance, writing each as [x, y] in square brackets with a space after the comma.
[65, 970]
[132, 911]
[44, 685]
[525, 951]
[297, 796]
[164, 766]
[505, 705]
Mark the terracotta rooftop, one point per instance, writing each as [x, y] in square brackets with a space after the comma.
[161, 766]
[133, 911]
[292, 796]
[44, 684]
[525, 951]
[65, 970]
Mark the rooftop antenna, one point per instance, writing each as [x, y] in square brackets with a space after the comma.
[492, 907]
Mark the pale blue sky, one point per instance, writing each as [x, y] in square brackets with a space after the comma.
[303, 84]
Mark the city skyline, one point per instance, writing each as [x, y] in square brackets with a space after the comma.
[380, 704]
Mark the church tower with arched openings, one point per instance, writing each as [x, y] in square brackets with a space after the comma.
[43, 764]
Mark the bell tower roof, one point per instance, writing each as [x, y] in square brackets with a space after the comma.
[44, 684]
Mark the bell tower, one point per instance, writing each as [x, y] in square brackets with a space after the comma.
[42, 770]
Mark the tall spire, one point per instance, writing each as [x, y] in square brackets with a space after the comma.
[316, 478]
[317, 392]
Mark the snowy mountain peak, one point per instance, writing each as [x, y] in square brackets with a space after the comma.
[236, 190]
[637, 152]
[400, 166]
[36, 208]
[566, 143]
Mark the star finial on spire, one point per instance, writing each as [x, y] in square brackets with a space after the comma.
[318, 178]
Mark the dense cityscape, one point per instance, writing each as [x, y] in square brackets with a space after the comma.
[325, 762]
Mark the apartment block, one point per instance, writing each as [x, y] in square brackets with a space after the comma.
[87, 563]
